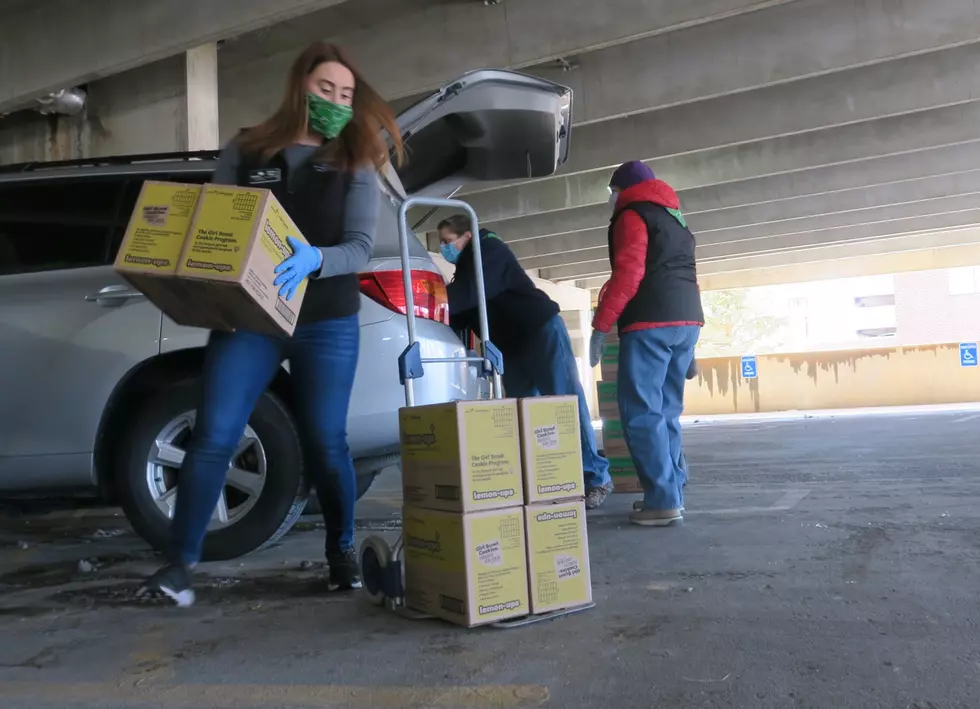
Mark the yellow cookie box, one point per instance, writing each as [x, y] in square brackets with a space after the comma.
[462, 456]
[469, 569]
[558, 556]
[551, 443]
[206, 256]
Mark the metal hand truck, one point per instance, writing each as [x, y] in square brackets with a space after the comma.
[381, 564]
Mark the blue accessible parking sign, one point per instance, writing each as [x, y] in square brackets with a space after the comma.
[749, 369]
[968, 354]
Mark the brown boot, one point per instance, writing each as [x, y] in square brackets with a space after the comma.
[595, 496]
[656, 518]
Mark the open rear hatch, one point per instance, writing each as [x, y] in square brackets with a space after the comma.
[487, 125]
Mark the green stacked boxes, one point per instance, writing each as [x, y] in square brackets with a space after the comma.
[621, 466]
[608, 400]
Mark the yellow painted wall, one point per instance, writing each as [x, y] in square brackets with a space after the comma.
[897, 376]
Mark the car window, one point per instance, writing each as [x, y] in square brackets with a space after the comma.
[56, 224]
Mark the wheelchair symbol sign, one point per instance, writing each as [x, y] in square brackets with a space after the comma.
[749, 368]
[968, 354]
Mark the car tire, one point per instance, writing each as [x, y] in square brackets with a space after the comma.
[275, 508]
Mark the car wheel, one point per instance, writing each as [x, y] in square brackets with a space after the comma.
[264, 493]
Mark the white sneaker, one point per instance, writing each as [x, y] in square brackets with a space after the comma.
[638, 506]
[656, 518]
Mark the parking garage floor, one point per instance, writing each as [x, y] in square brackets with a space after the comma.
[828, 562]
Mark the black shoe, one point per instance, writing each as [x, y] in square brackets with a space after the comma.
[345, 573]
[172, 581]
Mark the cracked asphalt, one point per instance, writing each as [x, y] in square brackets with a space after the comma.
[824, 563]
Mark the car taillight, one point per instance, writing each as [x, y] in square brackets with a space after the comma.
[428, 293]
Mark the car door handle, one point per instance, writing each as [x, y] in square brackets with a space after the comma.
[113, 296]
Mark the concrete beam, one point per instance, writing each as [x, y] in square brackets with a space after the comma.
[830, 219]
[884, 223]
[407, 53]
[910, 252]
[726, 201]
[943, 166]
[803, 241]
[54, 44]
[902, 243]
[894, 88]
[787, 43]
[923, 196]
[843, 145]
[797, 40]
[884, 262]
[905, 87]
[572, 257]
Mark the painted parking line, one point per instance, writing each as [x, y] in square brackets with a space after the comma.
[787, 502]
[236, 696]
[967, 418]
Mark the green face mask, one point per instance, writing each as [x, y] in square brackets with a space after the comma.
[326, 117]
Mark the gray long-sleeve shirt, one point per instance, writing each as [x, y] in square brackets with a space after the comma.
[353, 252]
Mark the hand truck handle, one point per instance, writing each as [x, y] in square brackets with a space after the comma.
[491, 361]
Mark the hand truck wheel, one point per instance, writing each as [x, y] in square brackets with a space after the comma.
[376, 567]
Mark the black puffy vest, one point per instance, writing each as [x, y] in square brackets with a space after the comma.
[669, 290]
[314, 196]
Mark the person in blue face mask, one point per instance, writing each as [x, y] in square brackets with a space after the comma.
[526, 327]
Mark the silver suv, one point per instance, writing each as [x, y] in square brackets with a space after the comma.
[98, 388]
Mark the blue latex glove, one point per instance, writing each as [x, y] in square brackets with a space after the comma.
[305, 260]
[595, 347]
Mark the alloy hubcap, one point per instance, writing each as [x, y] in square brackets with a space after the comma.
[243, 486]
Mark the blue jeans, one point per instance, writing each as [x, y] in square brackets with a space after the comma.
[546, 366]
[238, 367]
[652, 368]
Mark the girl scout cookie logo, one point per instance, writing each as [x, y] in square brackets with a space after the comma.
[546, 437]
[567, 567]
[490, 553]
[156, 214]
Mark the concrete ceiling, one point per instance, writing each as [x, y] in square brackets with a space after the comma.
[818, 127]
[794, 130]
[54, 44]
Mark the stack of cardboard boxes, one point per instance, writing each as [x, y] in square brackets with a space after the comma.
[621, 466]
[206, 256]
[494, 517]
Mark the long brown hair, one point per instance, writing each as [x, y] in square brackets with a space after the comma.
[359, 144]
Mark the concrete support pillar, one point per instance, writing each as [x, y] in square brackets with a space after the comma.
[167, 106]
[201, 71]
